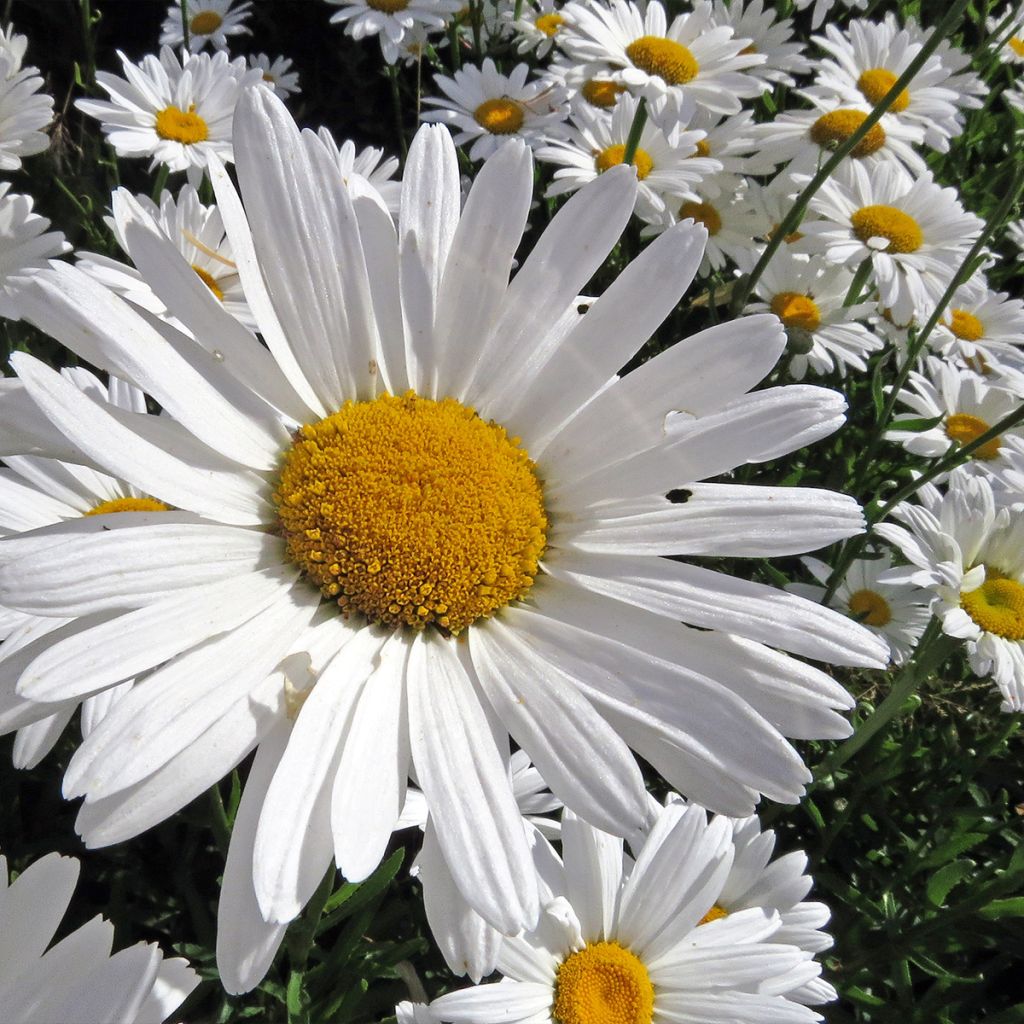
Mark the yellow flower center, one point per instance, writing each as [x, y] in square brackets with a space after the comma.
[876, 82]
[997, 606]
[612, 156]
[703, 149]
[603, 983]
[388, 6]
[1017, 45]
[966, 326]
[837, 126]
[205, 23]
[870, 607]
[665, 58]
[703, 213]
[128, 505]
[268, 77]
[499, 116]
[413, 511]
[902, 231]
[716, 913]
[210, 281]
[599, 92]
[549, 24]
[797, 310]
[184, 126]
[964, 428]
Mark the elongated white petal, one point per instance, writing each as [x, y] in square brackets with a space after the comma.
[515, 1001]
[594, 872]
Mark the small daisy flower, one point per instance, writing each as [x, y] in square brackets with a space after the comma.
[486, 108]
[391, 20]
[1010, 24]
[418, 42]
[177, 113]
[822, 7]
[749, 20]
[537, 26]
[733, 141]
[25, 246]
[897, 612]
[970, 556]
[12, 49]
[981, 327]
[77, 978]
[633, 942]
[667, 164]
[277, 73]
[368, 165]
[807, 295]
[197, 232]
[690, 61]
[210, 22]
[25, 113]
[967, 407]
[590, 86]
[915, 232]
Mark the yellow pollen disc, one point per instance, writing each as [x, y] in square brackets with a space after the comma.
[184, 126]
[1017, 45]
[796, 310]
[549, 24]
[268, 77]
[499, 116]
[603, 983]
[997, 606]
[205, 23]
[964, 428]
[128, 505]
[903, 232]
[716, 913]
[703, 149]
[412, 511]
[612, 157]
[388, 6]
[703, 213]
[668, 60]
[870, 607]
[210, 281]
[599, 92]
[747, 50]
[837, 126]
[966, 326]
[874, 84]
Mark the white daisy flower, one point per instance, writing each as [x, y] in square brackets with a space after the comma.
[40, 490]
[78, 978]
[870, 56]
[25, 246]
[418, 42]
[210, 22]
[1015, 232]
[369, 165]
[13, 46]
[478, 515]
[591, 86]
[970, 557]
[968, 407]
[487, 108]
[178, 114]
[733, 142]
[197, 232]
[897, 612]
[391, 20]
[691, 61]
[1010, 24]
[537, 26]
[981, 328]
[915, 232]
[25, 113]
[807, 295]
[749, 20]
[822, 7]
[667, 165]
[277, 73]
[631, 942]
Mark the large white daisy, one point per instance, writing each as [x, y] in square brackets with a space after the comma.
[981, 328]
[25, 246]
[210, 22]
[25, 112]
[443, 466]
[749, 19]
[392, 20]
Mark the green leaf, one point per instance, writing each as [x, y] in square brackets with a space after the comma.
[1012, 907]
[946, 878]
[918, 424]
[952, 848]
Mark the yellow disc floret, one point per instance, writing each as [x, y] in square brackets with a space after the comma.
[388, 6]
[837, 126]
[902, 231]
[869, 607]
[876, 82]
[795, 309]
[612, 157]
[964, 428]
[1017, 45]
[966, 326]
[499, 116]
[128, 505]
[413, 511]
[210, 281]
[549, 24]
[997, 606]
[205, 23]
[703, 149]
[666, 59]
[184, 126]
[600, 92]
[702, 213]
[603, 983]
[716, 913]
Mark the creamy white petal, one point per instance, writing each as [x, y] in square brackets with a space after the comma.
[593, 875]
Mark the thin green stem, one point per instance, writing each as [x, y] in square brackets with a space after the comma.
[300, 940]
[860, 279]
[161, 183]
[184, 28]
[219, 818]
[635, 131]
[396, 102]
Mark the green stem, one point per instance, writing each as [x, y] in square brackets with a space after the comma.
[792, 219]
[396, 102]
[300, 939]
[161, 183]
[219, 819]
[635, 131]
[184, 28]
[857, 284]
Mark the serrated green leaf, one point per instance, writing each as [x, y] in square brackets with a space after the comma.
[946, 878]
[952, 849]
